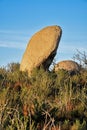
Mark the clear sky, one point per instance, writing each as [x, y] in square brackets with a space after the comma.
[20, 19]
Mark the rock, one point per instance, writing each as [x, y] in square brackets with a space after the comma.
[41, 49]
[68, 65]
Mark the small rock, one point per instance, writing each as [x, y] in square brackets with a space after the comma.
[68, 65]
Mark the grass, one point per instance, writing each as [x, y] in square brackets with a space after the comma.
[44, 101]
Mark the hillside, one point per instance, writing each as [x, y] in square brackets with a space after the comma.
[45, 101]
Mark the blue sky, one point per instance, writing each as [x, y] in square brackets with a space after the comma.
[20, 19]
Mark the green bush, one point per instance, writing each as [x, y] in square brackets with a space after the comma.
[43, 100]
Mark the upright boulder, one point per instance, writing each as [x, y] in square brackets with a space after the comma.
[68, 65]
[41, 48]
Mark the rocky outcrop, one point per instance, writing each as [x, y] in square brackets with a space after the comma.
[41, 48]
[68, 65]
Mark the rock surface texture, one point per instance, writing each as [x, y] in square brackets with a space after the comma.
[68, 65]
[41, 48]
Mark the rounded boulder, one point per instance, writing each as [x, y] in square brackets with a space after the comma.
[68, 65]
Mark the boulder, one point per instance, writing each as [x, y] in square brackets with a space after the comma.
[68, 65]
[41, 48]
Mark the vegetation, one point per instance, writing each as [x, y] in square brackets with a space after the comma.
[44, 101]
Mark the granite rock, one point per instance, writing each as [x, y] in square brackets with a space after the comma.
[41, 49]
